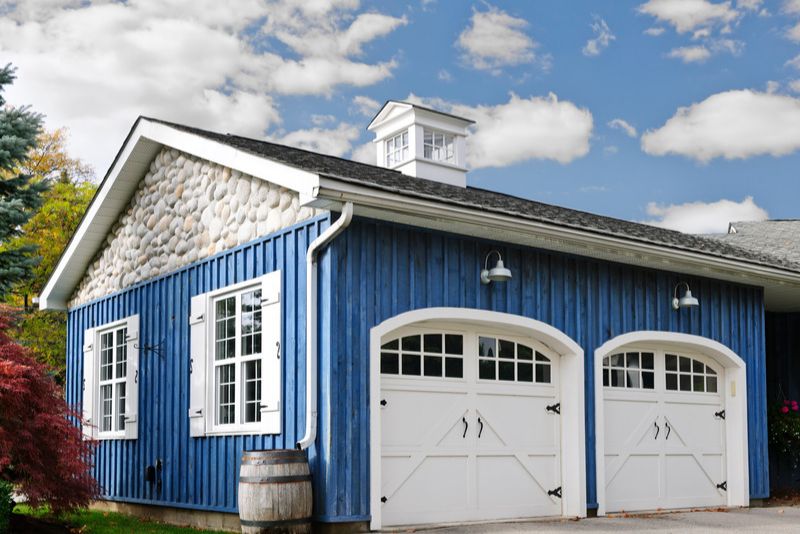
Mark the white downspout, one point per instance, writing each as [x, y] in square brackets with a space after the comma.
[311, 322]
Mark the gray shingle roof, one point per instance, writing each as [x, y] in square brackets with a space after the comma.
[780, 238]
[490, 201]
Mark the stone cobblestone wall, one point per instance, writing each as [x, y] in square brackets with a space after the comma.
[185, 209]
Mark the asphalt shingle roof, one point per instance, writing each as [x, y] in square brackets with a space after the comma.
[779, 238]
[490, 201]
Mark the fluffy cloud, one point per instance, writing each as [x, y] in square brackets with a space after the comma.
[495, 39]
[794, 62]
[522, 129]
[793, 33]
[791, 7]
[654, 31]
[334, 142]
[602, 38]
[690, 15]
[625, 126]
[366, 106]
[365, 153]
[704, 217]
[794, 85]
[732, 125]
[690, 54]
[94, 67]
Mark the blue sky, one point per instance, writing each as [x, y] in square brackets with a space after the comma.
[310, 74]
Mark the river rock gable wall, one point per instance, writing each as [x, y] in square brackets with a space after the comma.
[185, 209]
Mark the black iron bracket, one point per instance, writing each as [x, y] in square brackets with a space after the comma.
[383, 402]
[155, 349]
[720, 414]
[384, 499]
[555, 492]
[723, 485]
[555, 408]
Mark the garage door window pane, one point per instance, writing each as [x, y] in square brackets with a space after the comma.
[685, 364]
[524, 372]
[454, 368]
[411, 364]
[411, 343]
[671, 362]
[486, 347]
[506, 371]
[391, 345]
[648, 381]
[711, 384]
[524, 353]
[647, 360]
[617, 379]
[632, 360]
[453, 344]
[672, 382]
[433, 343]
[506, 349]
[389, 363]
[433, 366]
[629, 370]
[685, 382]
[690, 375]
[633, 379]
[486, 369]
[422, 355]
[542, 373]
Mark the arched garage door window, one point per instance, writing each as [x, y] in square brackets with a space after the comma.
[671, 425]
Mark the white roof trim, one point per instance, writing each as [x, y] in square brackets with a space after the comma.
[145, 140]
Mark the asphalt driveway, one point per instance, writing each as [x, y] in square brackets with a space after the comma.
[770, 519]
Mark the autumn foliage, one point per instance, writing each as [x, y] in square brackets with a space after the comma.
[41, 451]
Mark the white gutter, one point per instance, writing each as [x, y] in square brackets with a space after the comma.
[311, 322]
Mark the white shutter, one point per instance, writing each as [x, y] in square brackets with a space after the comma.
[198, 365]
[132, 379]
[272, 353]
[89, 384]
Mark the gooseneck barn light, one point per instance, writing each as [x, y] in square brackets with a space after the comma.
[686, 301]
[498, 273]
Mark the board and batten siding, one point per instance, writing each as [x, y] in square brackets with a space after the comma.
[385, 269]
[200, 473]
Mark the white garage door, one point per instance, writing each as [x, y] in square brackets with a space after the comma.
[664, 431]
[466, 432]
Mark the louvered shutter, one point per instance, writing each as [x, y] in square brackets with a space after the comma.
[197, 365]
[89, 384]
[271, 379]
[132, 379]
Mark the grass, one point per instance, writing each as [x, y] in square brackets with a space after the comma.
[97, 522]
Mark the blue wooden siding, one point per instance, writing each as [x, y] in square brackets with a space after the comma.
[384, 270]
[197, 472]
[783, 382]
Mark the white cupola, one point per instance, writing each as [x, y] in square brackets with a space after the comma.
[421, 142]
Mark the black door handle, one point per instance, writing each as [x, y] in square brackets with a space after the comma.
[480, 430]
[669, 429]
[658, 428]
[466, 426]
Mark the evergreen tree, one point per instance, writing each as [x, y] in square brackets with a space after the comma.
[19, 194]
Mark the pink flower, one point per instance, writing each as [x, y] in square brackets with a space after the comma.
[786, 403]
[784, 409]
[795, 407]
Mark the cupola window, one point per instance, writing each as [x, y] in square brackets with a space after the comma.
[438, 146]
[397, 149]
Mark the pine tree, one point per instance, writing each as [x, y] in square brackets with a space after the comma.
[19, 194]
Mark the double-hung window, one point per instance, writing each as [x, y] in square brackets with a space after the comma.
[110, 380]
[235, 368]
[438, 146]
[397, 149]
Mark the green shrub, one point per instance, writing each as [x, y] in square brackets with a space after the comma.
[6, 505]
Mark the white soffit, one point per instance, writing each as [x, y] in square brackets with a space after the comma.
[143, 143]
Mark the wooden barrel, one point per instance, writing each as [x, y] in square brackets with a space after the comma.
[275, 492]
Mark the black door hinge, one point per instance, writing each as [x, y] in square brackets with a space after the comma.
[555, 492]
[384, 499]
[383, 402]
[720, 414]
[723, 485]
[555, 408]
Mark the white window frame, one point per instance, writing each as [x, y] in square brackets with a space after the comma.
[203, 411]
[93, 383]
[448, 140]
[396, 148]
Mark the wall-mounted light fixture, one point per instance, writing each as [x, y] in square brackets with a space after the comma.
[686, 301]
[498, 273]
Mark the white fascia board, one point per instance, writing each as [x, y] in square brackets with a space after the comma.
[437, 215]
[132, 163]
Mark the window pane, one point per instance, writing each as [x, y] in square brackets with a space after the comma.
[685, 382]
[685, 364]
[524, 372]
[486, 346]
[633, 379]
[411, 364]
[506, 371]
[672, 382]
[710, 371]
[697, 367]
[711, 384]
[107, 408]
[486, 369]
[541, 357]
[411, 343]
[121, 406]
[392, 345]
[433, 343]
[605, 377]
[433, 366]
[672, 362]
[647, 360]
[226, 394]
[252, 391]
[251, 323]
[389, 363]
[648, 380]
[633, 360]
[618, 378]
[524, 353]
[506, 348]
[453, 344]
[617, 360]
[453, 368]
[698, 383]
[122, 353]
[543, 373]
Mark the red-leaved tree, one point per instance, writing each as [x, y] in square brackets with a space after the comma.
[41, 450]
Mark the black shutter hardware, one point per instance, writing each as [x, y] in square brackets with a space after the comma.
[723, 485]
[555, 408]
[555, 492]
[720, 414]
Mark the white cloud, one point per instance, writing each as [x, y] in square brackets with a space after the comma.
[192, 61]
[334, 142]
[702, 33]
[794, 62]
[602, 38]
[625, 126]
[610, 150]
[689, 15]
[366, 106]
[365, 153]
[793, 33]
[690, 54]
[750, 5]
[733, 125]
[444, 76]
[773, 86]
[319, 120]
[794, 85]
[495, 39]
[522, 129]
[654, 31]
[791, 7]
[704, 217]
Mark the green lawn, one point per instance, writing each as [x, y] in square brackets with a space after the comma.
[96, 522]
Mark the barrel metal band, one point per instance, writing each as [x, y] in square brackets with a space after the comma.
[276, 479]
[277, 452]
[268, 524]
[273, 461]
